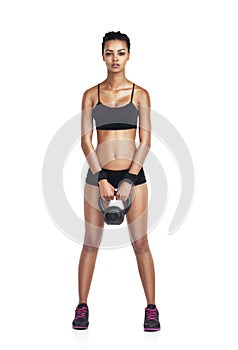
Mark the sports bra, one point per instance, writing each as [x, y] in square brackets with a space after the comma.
[115, 118]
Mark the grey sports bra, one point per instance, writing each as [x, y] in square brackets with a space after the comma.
[110, 118]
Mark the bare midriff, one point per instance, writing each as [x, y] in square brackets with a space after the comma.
[116, 148]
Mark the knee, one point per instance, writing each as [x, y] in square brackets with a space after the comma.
[92, 240]
[140, 246]
[90, 249]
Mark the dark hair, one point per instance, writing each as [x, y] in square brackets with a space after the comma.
[116, 36]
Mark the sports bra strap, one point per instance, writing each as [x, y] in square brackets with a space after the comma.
[132, 93]
[99, 94]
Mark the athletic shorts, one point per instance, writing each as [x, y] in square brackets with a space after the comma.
[114, 177]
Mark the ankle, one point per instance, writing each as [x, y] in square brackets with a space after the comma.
[150, 301]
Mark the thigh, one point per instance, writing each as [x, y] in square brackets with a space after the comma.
[94, 221]
[137, 216]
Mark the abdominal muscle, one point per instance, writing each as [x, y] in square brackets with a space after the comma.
[116, 148]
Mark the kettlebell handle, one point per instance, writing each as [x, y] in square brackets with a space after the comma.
[125, 210]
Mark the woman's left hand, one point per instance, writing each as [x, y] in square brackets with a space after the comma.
[123, 191]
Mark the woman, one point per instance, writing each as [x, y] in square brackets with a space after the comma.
[116, 104]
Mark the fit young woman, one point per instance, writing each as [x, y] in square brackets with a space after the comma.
[116, 105]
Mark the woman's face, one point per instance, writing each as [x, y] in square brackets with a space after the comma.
[115, 55]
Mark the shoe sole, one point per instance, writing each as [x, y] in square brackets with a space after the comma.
[80, 328]
[151, 329]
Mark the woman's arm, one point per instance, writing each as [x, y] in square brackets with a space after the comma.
[87, 133]
[140, 154]
[144, 133]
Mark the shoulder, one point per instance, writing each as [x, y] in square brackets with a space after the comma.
[90, 96]
[142, 96]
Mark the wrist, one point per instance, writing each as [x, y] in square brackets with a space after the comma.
[130, 178]
[101, 175]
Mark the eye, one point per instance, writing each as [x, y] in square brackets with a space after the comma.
[122, 53]
[108, 54]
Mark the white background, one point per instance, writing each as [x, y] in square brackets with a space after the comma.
[185, 54]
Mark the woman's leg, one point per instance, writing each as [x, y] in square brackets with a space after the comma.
[94, 224]
[137, 225]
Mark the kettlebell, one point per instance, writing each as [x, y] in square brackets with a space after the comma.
[114, 215]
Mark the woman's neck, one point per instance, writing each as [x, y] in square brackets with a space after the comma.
[115, 81]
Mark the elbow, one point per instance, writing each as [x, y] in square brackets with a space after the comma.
[85, 139]
[145, 140]
[146, 144]
[86, 146]
[82, 144]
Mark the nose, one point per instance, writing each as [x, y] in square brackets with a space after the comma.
[115, 57]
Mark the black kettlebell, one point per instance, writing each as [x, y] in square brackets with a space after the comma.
[114, 215]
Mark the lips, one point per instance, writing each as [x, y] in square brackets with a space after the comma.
[115, 65]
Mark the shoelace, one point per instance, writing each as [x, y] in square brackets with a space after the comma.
[81, 312]
[151, 314]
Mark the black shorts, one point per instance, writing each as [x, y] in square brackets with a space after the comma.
[114, 177]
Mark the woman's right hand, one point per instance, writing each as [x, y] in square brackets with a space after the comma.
[106, 190]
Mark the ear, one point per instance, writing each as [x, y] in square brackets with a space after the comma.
[128, 56]
[103, 57]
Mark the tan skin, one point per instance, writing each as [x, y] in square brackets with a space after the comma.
[115, 151]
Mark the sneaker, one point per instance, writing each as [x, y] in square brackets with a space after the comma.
[151, 323]
[81, 317]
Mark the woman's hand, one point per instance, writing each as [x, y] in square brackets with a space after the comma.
[124, 191]
[106, 190]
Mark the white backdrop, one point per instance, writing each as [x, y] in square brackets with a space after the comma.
[185, 54]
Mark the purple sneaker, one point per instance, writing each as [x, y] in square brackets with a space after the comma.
[151, 323]
[81, 317]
